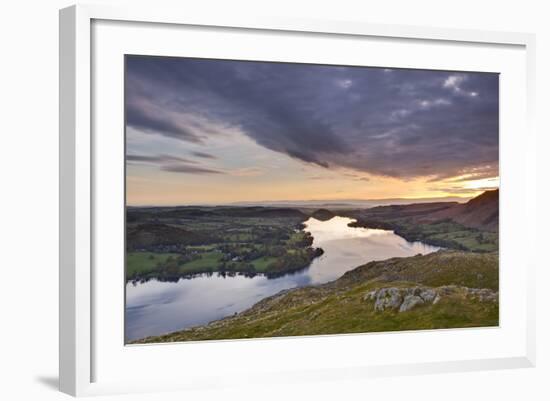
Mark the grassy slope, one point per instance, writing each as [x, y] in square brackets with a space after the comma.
[339, 307]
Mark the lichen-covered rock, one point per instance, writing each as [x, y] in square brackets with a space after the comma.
[404, 299]
[446, 290]
[428, 295]
[388, 298]
[409, 302]
[483, 294]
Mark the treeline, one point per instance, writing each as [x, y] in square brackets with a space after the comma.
[293, 261]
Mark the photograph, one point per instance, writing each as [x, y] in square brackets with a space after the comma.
[279, 199]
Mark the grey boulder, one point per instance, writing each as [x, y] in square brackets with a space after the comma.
[409, 302]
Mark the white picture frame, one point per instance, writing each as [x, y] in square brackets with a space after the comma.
[78, 206]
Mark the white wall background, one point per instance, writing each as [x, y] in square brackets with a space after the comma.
[29, 186]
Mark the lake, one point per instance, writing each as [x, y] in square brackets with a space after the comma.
[155, 307]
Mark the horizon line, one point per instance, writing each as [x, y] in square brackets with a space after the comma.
[237, 203]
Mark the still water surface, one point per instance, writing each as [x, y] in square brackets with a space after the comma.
[156, 307]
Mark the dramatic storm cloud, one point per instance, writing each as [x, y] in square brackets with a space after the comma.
[388, 122]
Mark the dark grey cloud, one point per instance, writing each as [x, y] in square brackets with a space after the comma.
[172, 163]
[157, 159]
[189, 169]
[399, 123]
[204, 155]
[147, 116]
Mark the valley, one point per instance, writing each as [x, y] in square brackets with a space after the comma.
[291, 272]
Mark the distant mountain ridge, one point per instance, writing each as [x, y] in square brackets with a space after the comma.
[313, 203]
[350, 203]
[480, 212]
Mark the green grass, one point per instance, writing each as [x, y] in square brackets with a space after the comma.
[261, 264]
[469, 239]
[449, 235]
[144, 262]
[475, 270]
[207, 261]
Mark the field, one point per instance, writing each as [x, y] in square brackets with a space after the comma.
[143, 262]
[170, 243]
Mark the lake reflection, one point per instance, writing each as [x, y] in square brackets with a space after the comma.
[155, 307]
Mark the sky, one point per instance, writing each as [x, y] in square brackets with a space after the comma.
[201, 131]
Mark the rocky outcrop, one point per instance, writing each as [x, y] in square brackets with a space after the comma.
[483, 294]
[386, 298]
[405, 299]
[409, 302]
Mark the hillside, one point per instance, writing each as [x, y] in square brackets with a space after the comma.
[322, 214]
[471, 226]
[445, 289]
[480, 212]
[412, 211]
